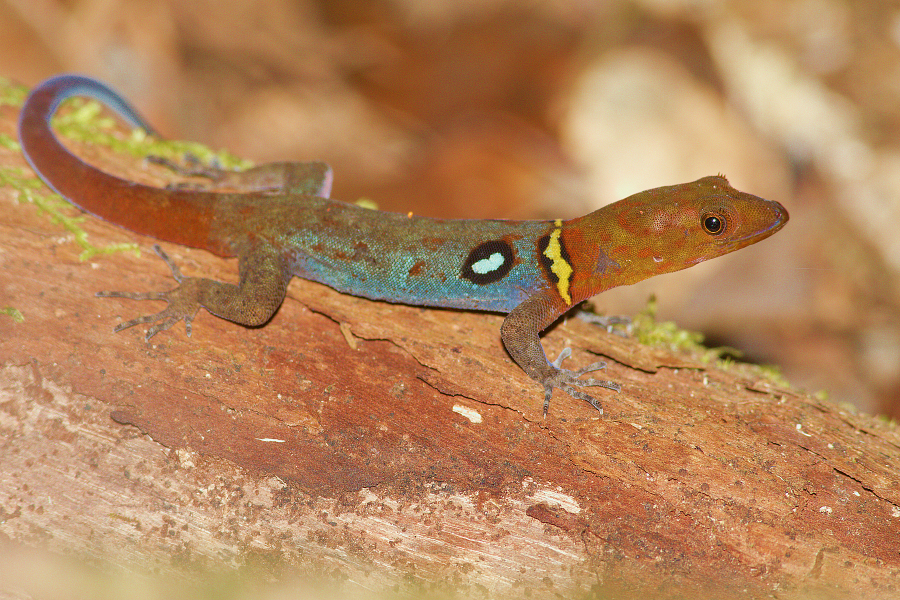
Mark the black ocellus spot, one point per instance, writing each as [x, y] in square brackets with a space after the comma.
[488, 263]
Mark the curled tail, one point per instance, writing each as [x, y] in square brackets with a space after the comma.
[179, 216]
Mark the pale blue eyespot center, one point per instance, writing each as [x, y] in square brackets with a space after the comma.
[489, 264]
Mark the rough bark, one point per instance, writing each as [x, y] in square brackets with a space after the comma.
[388, 446]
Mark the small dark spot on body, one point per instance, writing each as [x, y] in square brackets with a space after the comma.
[417, 268]
[604, 262]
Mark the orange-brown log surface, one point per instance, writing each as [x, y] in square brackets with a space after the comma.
[386, 446]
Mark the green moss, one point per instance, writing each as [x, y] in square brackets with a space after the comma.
[84, 121]
[13, 95]
[13, 313]
[886, 420]
[10, 143]
[647, 330]
[367, 203]
[31, 190]
[773, 374]
[667, 334]
[821, 395]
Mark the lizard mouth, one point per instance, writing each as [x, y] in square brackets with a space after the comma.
[777, 218]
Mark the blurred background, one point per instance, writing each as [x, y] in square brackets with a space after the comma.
[510, 109]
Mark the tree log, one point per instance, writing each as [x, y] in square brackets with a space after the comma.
[378, 446]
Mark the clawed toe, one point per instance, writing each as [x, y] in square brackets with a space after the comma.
[569, 382]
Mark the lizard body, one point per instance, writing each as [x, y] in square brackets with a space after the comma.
[282, 223]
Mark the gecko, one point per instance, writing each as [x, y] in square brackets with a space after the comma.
[279, 221]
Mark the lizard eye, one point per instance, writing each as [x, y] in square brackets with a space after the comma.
[713, 223]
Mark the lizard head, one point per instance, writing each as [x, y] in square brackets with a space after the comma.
[674, 227]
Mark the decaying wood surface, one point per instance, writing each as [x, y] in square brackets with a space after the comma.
[376, 446]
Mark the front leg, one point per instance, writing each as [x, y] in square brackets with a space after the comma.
[263, 283]
[520, 333]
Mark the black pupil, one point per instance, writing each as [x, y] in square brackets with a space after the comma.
[712, 224]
